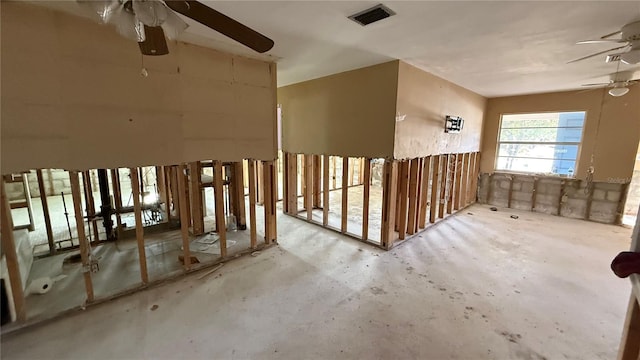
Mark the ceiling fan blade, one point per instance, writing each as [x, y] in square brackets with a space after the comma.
[597, 84]
[155, 44]
[222, 24]
[602, 41]
[612, 34]
[596, 54]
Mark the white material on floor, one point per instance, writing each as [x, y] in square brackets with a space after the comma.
[480, 286]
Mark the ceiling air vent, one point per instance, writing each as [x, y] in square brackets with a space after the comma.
[613, 58]
[372, 15]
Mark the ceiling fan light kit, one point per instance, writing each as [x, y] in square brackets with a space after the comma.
[618, 91]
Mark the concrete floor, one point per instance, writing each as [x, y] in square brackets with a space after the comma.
[478, 285]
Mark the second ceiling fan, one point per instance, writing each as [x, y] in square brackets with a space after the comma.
[148, 21]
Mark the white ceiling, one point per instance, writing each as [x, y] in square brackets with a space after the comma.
[493, 48]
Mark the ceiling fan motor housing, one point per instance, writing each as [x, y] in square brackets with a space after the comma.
[631, 32]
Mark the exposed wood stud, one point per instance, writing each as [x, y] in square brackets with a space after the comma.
[285, 182]
[424, 196]
[252, 202]
[363, 162]
[45, 211]
[366, 180]
[276, 167]
[237, 195]
[184, 220]
[175, 197]
[325, 190]
[510, 193]
[464, 182]
[630, 342]
[308, 181]
[186, 196]
[219, 205]
[458, 192]
[303, 180]
[197, 210]
[587, 213]
[453, 169]
[396, 226]
[476, 172]
[82, 240]
[351, 173]
[444, 186]
[260, 191]
[11, 257]
[167, 194]
[292, 179]
[624, 191]
[137, 208]
[345, 194]
[562, 189]
[316, 182]
[404, 197]
[534, 194]
[435, 183]
[335, 171]
[270, 183]
[389, 192]
[418, 199]
[413, 200]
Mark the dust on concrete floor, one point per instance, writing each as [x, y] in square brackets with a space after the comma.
[474, 286]
[355, 200]
[119, 268]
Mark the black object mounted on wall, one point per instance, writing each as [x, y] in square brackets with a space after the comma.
[453, 124]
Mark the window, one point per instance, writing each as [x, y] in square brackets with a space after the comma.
[546, 143]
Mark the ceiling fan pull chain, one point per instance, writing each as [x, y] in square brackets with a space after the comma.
[143, 71]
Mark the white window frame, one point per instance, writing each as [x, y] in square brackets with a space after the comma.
[579, 144]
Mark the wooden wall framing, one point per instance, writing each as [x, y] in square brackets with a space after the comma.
[415, 192]
[177, 191]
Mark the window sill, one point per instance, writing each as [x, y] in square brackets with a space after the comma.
[537, 175]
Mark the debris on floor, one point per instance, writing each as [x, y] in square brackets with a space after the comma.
[493, 208]
[514, 216]
[469, 213]
[210, 271]
[255, 253]
[194, 260]
[154, 307]
[209, 244]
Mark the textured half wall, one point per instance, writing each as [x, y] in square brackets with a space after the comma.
[347, 114]
[73, 98]
[426, 100]
[612, 143]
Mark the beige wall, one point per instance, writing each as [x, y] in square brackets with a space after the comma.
[73, 98]
[346, 114]
[613, 145]
[426, 100]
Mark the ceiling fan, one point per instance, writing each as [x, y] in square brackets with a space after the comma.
[629, 36]
[148, 21]
[617, 87]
